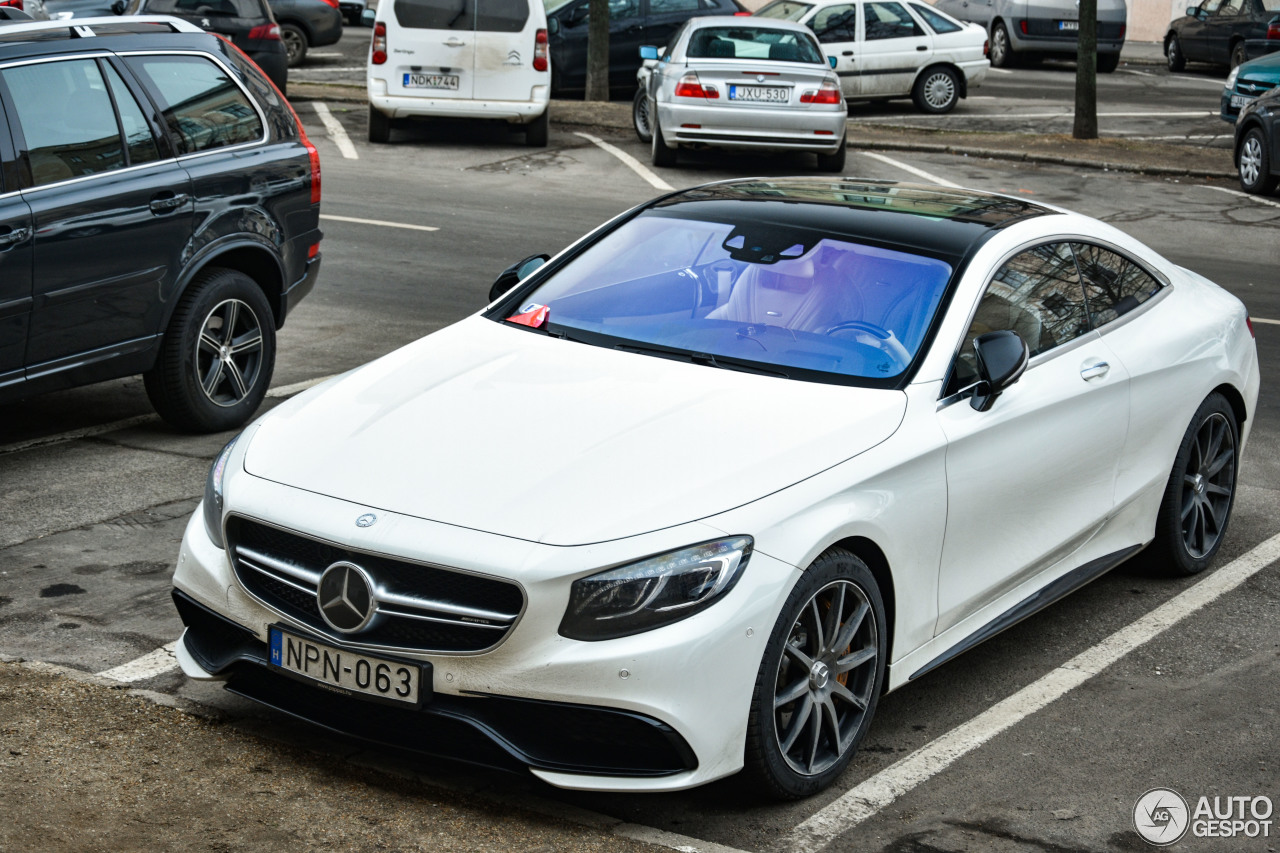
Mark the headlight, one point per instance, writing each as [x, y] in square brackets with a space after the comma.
[654, 592]
[1231, 78]
[213, 494]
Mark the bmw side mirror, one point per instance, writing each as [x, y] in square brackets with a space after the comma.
[831, 60]
[648, 51]
[1002, 357]
[553, 26]
[515, 273]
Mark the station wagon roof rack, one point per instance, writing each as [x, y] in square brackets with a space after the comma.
[93, 27]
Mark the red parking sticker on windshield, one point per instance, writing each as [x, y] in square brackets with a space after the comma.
[532, 315]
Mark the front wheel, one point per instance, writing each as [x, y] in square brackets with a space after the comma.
[1173, 53]
[936, 91]
[1254, 163]
[1198, 497]
[640, 118]
[820, 679]
[295, 43]
[217, 355]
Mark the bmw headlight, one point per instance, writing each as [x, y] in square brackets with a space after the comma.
[1231, 78]
[213, 494]
[654, 592]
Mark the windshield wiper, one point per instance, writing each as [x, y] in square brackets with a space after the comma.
[703, 358]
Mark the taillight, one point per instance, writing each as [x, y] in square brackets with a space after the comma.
[1248, 321]
[1022, 25]
[828, 94]
[691, 87]
[986, 48]
[742, 14]
[314, 156]
[1122, 29]
[1273, 30]
[270, 32]
[540, 51]
[333, 3]
[13, 4]
[379, 50]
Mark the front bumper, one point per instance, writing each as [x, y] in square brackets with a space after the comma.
[749, 128]
[518, 112]
[683, 691]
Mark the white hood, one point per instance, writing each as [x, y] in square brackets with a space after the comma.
[502, 430]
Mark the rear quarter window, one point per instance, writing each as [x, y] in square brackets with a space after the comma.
[202, 107]
[497, 16]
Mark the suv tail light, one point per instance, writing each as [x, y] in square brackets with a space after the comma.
[379, 54]
[540, 50]
[269, 32]
[828, 94]
[691, 87]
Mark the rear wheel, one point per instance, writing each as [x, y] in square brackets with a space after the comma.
[640, 116]
[1254, 163]
[1173, 53]
[820, 679]
[661, 155]
[1001, 54]
[537, 131]
[379, 126]
[834, 162]
[1108, 62]
[217, 355]
[1198, 497]
[936, 91]
[295, 43]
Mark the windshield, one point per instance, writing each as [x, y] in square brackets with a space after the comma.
[788, 10]
[758, 293]
[741, 42]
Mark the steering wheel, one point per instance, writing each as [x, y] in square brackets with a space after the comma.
[884, 340]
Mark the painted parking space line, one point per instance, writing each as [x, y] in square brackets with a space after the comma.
[306, 71]
[1230, 191]
[1261, 320]
[869, 797]
[630, 162]
[335, 130]
[999, 70]
[382, 223]
[919, 173]
[1069, 113]
[147, 666]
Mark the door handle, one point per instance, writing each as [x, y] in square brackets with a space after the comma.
[1094, 371]
[454, 42]
[14, 236]
[168, 202]
[922, 47]
[847, 53]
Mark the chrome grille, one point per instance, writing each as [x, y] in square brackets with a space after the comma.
[419, 607]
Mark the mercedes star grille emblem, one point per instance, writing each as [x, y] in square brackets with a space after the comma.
[345, 597]
[366, 520]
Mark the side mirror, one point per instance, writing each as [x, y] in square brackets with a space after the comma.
[117, 8]
[368, 18]
[553, 26]
[1191, 11]
[515, 273]
[1002, 358]
[648, 51]
[831, 60]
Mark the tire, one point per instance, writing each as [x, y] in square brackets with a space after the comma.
[295, 43]
[640, 116]
[835, 162]
[1001, 47]
[1196, 506]
[379, 126]
[1239, 56]
[661, 155]
[936, 91]
[196, 384]
[1173, 53]
[538, 131]
[1108, 63]
[798, 664]
[1253, 162]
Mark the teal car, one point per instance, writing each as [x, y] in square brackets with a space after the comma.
[1247, 81]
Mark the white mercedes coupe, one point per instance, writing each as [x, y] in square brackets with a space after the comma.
[686, 499]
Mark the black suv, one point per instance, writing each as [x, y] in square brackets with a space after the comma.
[159, 214]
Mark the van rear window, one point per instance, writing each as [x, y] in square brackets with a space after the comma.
[497, 16]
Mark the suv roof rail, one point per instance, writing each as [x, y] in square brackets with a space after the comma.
[91, 27]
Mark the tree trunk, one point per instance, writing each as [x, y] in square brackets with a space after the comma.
[598, 51]
[1086, 123]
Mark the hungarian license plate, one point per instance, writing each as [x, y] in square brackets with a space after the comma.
[1241, 100]
[767, 94]
[431, 81]
[1069, 25]
[345, 671]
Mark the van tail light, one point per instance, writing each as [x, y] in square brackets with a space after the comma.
[1248, 321]
[691, 87]
[267, 32]
[1022, 25]
[540, 51]
[379, 50]
[13, 4]
[828, 94]
[1273, 29]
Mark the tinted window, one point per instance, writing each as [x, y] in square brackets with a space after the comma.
[207, 8]
[836, 23]
[786, 10]
[662, 7]
[499, 16]
[1113, 284]
[503, 16]
[753, 43]
[1228, 9]
[137, 133]
[890, 21]
[935, 20]
[202, 107]
[67, 119]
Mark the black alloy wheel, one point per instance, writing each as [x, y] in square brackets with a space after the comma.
[820, 679]
[295, 43]
[1196, 507]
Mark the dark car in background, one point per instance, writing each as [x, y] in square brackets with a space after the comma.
[1023, 32]
[307, 23]
[248, 23]
[159, 215]
[631, 24]
[1257, 146]
[1247, 82]
[1223, 32]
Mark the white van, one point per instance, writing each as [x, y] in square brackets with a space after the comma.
[460, 59]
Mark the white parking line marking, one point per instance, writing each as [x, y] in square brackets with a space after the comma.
[999, 70]
[147, 666]
[335, 130]
[1071, 114]
[1229, 191]
[1139, 73]
[1209, 136]
[630, 162]
[312, 54]
[1268, 322]
[868, 798]
[380, 222]
[304, 71]
[919, 173]
[297, 387]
